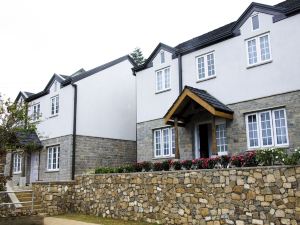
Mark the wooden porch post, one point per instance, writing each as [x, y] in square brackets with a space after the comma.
[213, 136]
[24, 159]
[11, 164]
[177, 152]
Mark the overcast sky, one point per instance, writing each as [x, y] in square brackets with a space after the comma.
[39, 38]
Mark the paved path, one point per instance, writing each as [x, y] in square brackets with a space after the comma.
[58, 221]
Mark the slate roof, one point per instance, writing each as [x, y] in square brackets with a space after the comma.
[209, 99]
[28, 93]
[27, 137]
[289, 5]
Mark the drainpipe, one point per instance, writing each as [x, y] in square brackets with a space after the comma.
[180, 72]
[74, 130]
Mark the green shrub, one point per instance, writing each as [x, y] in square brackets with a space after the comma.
[293, 158]
[104, 170]
[176, 165]
[271, 156]
[187, 164]
[157, 166]
[166, 165]
[138, 167]
[147, 166]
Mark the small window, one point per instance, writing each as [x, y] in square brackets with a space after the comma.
[267, 129]
[258, 50]
[17, 163]
[36, 111]
[255, 22]
[221, 139]
[54, 105]
[53, 158]
[163, 80]
[206, 66]
[164, 142]
[162, 57]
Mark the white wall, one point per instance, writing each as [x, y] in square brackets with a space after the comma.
[107, 103]
[233, 82]
[151, 105]
[61, 124]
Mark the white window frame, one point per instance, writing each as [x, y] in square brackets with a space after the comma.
[252, 22]
[273, 129]
[258, 50]
[56, 105]
[17, 163]
[36, 110]
[225, 145]
[171, 142]
[205, 57]
[50, 158]
[164, 84]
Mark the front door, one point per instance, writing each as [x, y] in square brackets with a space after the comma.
[204, 140]
[34, 173]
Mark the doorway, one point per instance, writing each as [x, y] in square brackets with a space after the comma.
[203, 140]
[34, 173]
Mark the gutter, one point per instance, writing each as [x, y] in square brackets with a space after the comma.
[74, 130]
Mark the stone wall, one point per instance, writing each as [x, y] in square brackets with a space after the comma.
[269, 195]
[55, 197]
[92, 152]
[236, 129]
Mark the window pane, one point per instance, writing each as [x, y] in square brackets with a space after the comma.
[166, 141]
[265, 49]
[255, 22]
[52, 106]
[159, 80]
[167, 78]
[210, 64]
[201, 69]
[280, 126]
[221, 138]
[266, 130]
[252, 53]
[252, 131]
[157, 142]
[162, 57]
[57, 105]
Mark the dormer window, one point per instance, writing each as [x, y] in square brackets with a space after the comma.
[255, 22]
[162, 57]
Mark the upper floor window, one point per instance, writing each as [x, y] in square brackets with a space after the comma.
[53, 158]
[163, 80]
[54, 105]
[255, 22]
[162, 57]
[17, 163]
[164, 142]
[36, 111]
[267, 128]
[258, 49]
[206, 66]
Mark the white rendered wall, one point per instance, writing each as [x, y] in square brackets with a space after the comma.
[58, 125]
[107, 103]
[234, 82]
[152, 105]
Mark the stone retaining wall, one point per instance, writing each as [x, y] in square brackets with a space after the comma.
[269, 195]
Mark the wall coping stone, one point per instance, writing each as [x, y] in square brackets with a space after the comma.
[198, 170]
[54, 182]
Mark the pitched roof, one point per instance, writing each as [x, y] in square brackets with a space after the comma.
[27, 138]
[209, 99]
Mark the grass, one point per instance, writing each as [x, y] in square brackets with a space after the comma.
[100, 220]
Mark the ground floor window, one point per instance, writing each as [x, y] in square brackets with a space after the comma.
[164, 142]
[221, 139]
[267, 128]
[17, 163]
[53, 158]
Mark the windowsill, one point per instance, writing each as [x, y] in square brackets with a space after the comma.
[205, 79]
[262, 148]
[163, 157]
[158, 92]
[52, 171]
[259, 64]
[53, 116]
[17, 173]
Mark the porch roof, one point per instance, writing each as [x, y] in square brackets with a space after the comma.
[27, 138]
[202, 98]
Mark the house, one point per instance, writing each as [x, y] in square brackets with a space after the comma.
[85, 120]
[231, 90]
